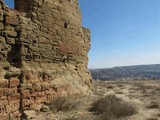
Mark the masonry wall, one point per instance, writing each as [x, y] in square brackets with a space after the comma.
[43, 55]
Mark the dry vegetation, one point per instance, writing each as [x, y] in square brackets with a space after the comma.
[112, 107]
[112, 100]
[62, 104]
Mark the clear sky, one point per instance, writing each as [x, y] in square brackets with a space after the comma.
[10, 3]
[123, 32]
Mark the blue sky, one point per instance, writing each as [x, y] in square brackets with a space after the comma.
[10, 3]
[123, 32]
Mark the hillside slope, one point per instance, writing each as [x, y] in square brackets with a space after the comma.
[127, 72]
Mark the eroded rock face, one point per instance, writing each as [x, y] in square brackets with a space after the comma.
[43, 54]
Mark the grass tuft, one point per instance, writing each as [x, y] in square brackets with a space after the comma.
[62, 104]
[153, 105]
[112, 107]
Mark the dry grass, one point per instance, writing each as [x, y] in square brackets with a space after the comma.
[110, 86]
[62, 104]
[153, 105]
[119, 92]
[152, 119]
[158, 114]
[157, 88]
[111, 107]
[71, 119]
[142, 94]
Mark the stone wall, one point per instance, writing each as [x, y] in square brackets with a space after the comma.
[43, 55]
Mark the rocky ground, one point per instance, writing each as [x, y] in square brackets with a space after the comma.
[144, 95]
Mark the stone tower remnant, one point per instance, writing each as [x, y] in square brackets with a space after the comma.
[43, 54]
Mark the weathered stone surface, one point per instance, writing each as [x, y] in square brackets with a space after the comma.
[44, 108]
[11, 20]
[10, 41]
[2, 40]
[9, 33]
[43, 55]
[1, 13]
[1, 26]
[28, 115]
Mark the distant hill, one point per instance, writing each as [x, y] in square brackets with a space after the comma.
[127, 72]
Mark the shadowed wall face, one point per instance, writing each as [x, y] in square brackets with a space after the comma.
[43, 54]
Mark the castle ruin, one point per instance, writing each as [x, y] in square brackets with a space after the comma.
[43, 55]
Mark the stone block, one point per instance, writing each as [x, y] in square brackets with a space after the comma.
[12, 73]
[1, 26]
[11, 20]
[15, 115]
[6, 91]
[70, 48]
[1, 15]
[9, 91]
[14, 98]
[9, 33]
[1, 92]
[8, 27]
[13, 82]
[43, 29]
[25, 94]
[2, 40]
[27, 103]
[30, 114]
[4, 100]
[4, 83]
[4, 49]
[44, 87]
[46, 24]
[8, 108]
[4, 116]
[63, 48]
[13, 107]
[10, 41]
[49, 92]
[45, 109]
[34, 94]
[40, 94]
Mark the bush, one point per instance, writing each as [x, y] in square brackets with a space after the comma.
[153, 105]
[62, 104]
[111, 107]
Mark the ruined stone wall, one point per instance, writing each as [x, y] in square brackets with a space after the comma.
[9, 47]
[43, 54]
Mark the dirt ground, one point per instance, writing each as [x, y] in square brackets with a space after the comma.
[144, 95]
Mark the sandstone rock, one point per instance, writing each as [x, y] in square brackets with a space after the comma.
[10, 40]
[29, 115]
[12, 72]
[44, 108]
[9, 33]
[2, 40]
[47, 116]
[11, 20]
[1, 14]
[9, 27]
[1, 26]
